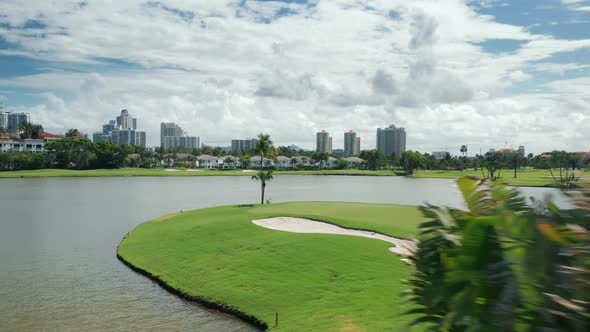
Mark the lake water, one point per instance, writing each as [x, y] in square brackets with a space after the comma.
[58, 238]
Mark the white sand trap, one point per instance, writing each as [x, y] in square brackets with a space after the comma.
[302, 225]
[194, 170]
[170, 170]
[248, 171]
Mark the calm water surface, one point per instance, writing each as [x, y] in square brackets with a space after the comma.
[58, 238]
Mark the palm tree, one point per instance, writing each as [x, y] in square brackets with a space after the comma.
[464, 152]
[263, 147]
[73, 133]
[26, 129]
[36, 131]
[263, 177]
[293, 162]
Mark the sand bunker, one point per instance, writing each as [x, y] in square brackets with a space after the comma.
[170, 170]
[248, 171]
[194, 170]
[301, 225]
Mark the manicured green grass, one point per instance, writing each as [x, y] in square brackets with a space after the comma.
[178, 172]
[317, 282]
[528, 177]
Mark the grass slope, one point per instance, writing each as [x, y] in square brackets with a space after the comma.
[316, 282]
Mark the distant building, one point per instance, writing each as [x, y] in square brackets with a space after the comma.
[391, 140]
[122, 131]
[172, 136]
[352, 144]
[243, 145]
[509, 151]
[11, 120]
[323, 142]
[354, 162]
[186, 142]
[128, 137]
[4, 120]
[125, 121]
[100, 136]
[26, 145]
[439, 155]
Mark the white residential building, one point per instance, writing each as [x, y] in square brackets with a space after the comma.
[255, 162]
[354, 162]
[284, 162]
[26, 145]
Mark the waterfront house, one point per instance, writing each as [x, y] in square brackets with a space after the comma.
[255, 162]
[283, 162]
[303, 161]
[208, 161]
[354, 162]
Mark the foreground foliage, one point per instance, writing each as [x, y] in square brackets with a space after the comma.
[502, 265]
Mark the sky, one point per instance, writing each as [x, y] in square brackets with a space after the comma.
[485, 73]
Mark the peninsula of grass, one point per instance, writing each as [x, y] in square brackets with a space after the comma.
[316, 282]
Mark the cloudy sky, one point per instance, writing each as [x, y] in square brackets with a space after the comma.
[486, 73]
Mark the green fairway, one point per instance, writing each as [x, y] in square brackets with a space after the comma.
[528, 177]
[316, 282]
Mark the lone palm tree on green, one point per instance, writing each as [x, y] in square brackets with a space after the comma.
[263, 148]
[263, 176]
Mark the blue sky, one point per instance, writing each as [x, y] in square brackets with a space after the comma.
[475, 72]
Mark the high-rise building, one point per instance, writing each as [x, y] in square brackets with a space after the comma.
[125, 121]
[122, 131]
[172, 136]
[4, 120]
[187, 142]
[323, 142]
[128, 137]
[243, 145]
[352, 144]
[521, 150]
[391, 141]
[11, 120]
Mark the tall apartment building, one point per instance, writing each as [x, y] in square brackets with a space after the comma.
[243, 145]
[125, 121]
[352, 144]
[186, 142]
[391, 140]
[128, 137]
[172, 136]
[122, 131]
[4, 120]
[11, 120]
[323, 142]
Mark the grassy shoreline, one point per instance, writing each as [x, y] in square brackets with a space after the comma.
[218, 257]
[526, 178]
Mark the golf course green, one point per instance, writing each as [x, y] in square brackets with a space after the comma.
[315, 282]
